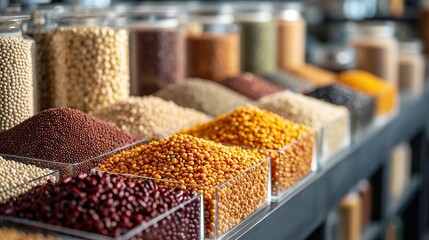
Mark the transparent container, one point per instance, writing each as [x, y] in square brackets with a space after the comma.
[157, 51]
[376, 50]
[168, 225]
[227, 206]
[92, 60]
[213, 42]
[291, 32]
[41, 28]
[16, 72]
[258, 37]
[411, 67]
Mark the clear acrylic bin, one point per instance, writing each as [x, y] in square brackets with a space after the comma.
[227, 205]
[66, 169]
[170, 225]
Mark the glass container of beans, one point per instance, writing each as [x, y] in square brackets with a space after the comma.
[92, 61]
[16, 72]
[258, 37]
[411, 67]
[213, 42]
[290, 36]
[126, 209]
[41, 28]
[157, 51]
[376, 50]
[235, 181]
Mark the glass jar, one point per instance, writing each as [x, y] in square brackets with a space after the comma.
[41, 29]
[16, 72]
[213, 42]
[290, 36]
[91, 61]
[258, 37]
[157, 51]
[376, 50]
[411, 67]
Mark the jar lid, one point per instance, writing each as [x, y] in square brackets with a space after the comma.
[410, 46]
[257, 12]
[376, 29]
[147, 16]
[210, 13]
[13, 17]
[290, 11]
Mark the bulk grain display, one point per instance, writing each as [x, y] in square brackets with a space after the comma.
[16, 72]
[250, 85]
[203, 95]
[288, 81]
[332, 122]
[150, 117]
[234, 180]
[92, 65]
[361, 106]
[63, 136]
[289, 145]
[109, 206]
[17, 178]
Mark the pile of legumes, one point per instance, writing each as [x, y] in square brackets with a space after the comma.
[108, 205]
[15, 234]
[253, 127]
[63, 135]
[92, 66]
[361, 106]
[17, 178]
[250, 85]
[288, 81]
[200, 165]
[203, 95]
[317, 114]
[150, 117]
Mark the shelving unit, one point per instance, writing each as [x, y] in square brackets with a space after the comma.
[305, 210]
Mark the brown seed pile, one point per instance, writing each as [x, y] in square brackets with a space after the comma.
[317, 114]
[63, 135]
[45, 62]
[17, 178]
[203, 95]
[150, 117]
[253, 127]
[250, 85]
[200, 165]
[15, 234]
[213, 56]
[92, 67]
[16, 80]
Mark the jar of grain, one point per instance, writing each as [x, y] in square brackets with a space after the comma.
[411, 67]
[41, 28]
[91, 61]
[157, 53]
[376, 50]
[213, 42]
[290, 36]
[258, 37]
[424, 25]
[16, 72]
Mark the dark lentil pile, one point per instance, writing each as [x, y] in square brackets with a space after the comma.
[250, 85]
[108, 205]
[288, 81]
[361, 106]
[157, 59]
[63, 135]
[203, 95]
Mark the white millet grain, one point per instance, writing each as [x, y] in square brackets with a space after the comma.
[335, 120]
[17, 178]
[16, 80]
[92, 67]
[150, 117]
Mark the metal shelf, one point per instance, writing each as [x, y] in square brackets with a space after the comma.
[305, 209]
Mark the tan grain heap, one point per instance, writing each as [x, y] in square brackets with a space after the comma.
[200, 165]
[256, 128]
[15, 234]
[314, 113]
[150, 117]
